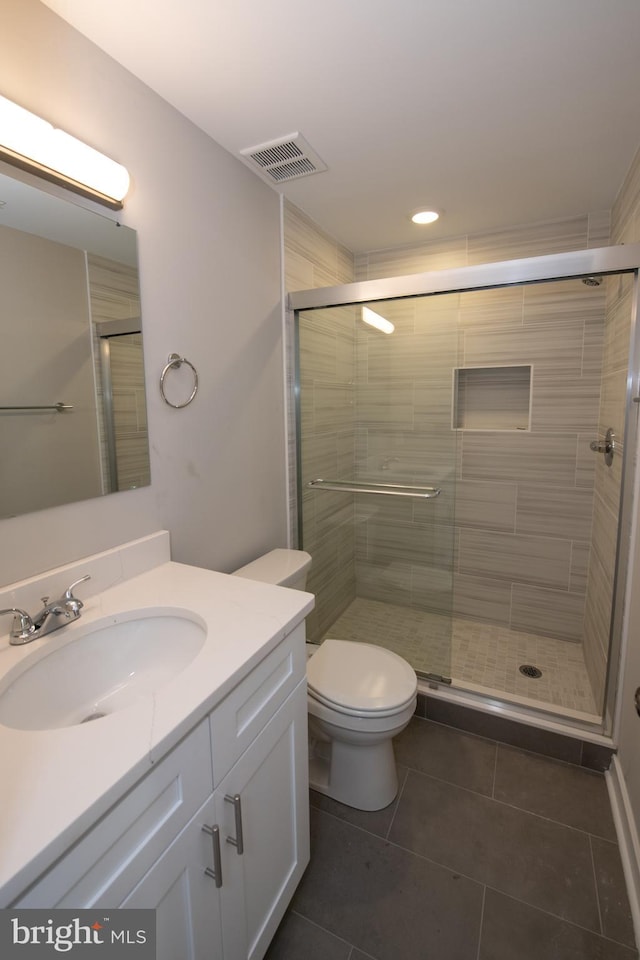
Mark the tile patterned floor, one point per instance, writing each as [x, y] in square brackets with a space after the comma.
[487, 853]
[482, 654]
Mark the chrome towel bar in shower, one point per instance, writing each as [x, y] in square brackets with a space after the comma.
[58, 407]
[388, 489]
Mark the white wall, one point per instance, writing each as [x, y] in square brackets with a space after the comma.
[209, 253]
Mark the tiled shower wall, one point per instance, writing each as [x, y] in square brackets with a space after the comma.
[327, 343]
[519, 553]
[524, 500]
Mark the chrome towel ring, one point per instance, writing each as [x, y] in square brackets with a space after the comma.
[175, 360]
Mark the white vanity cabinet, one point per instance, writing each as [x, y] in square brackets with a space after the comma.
[242, 770]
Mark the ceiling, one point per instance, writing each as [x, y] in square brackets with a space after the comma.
[495, 112]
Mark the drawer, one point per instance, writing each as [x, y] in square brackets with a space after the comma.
[238, 720]
[102, 867]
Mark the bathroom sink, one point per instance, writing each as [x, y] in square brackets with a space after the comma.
[103, 667]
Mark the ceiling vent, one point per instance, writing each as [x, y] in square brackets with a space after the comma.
[288, 158]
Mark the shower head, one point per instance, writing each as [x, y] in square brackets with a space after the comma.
[592, 281]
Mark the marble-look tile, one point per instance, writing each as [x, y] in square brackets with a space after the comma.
[537, 560]
[550, 510]
[565, 405]
[547, 612]
[525, 457]
[402, 261]
[487, 505]
[554, 350]
[558, 301]
[580, 557]
[482, 599]
[532, 240]
[501, 308]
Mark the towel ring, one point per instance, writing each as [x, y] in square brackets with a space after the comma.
[175, 360]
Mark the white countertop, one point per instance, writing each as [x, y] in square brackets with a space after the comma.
[56, 783]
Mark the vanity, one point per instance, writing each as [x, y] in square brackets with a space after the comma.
[189, 797]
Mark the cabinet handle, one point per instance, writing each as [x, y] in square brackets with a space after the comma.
[238, 842]
[216, 873]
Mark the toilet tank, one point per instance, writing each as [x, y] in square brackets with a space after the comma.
[286, 568]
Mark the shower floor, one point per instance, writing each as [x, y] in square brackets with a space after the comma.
[474, 654]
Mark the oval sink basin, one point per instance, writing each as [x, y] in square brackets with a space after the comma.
[106, 666]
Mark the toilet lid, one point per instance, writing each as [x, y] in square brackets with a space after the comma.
[360, 678]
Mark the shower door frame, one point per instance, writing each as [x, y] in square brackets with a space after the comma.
[600, 261]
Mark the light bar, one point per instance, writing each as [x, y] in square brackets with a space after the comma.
[375, 320]
[33, 144]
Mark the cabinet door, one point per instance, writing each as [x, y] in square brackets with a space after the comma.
[271, 780]
[186, 900]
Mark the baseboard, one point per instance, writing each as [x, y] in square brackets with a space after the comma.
[628, 839]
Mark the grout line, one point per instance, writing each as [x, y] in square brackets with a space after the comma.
[466, 876]
[319, 926]
[397, 801]
[484, 900]
[595, 884]
[495, 772]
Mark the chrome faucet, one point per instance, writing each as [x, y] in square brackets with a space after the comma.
[52, 616]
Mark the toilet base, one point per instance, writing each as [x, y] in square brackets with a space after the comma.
[360, 776]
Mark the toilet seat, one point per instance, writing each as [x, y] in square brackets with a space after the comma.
[360, 679]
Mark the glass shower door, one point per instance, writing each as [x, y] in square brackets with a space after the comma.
[377, 465]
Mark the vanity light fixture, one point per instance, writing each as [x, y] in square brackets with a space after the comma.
[375, 320]
[425, 216]
[33, 144]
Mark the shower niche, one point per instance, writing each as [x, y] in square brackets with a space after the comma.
[492, 398]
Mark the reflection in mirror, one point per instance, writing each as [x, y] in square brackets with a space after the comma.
[72, 401]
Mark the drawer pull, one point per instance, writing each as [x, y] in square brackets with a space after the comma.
[238, 842]
[216, 873]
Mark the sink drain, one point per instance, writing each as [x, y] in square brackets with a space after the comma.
[530, 671]
[93, 716]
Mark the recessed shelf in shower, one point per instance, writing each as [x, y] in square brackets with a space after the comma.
[492, 398]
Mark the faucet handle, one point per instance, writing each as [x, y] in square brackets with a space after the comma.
[23, 625]
[69, 597]
[69, 592]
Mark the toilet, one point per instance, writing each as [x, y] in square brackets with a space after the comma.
[359, 696]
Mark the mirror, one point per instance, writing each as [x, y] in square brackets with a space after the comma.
[73, 419]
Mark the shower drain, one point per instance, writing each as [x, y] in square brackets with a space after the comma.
[530, 671]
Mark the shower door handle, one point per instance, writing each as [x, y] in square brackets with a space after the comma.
[636, 700]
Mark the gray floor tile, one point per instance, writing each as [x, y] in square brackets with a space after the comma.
[448, 754]
[515, 931]
[297, 938]
[560, 791]
[612, 892]
[375, 821]
[541, 862]
[378, 897]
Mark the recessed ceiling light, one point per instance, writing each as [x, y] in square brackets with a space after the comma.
[425, 216]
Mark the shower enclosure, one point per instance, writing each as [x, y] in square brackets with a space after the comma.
[456, 488]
